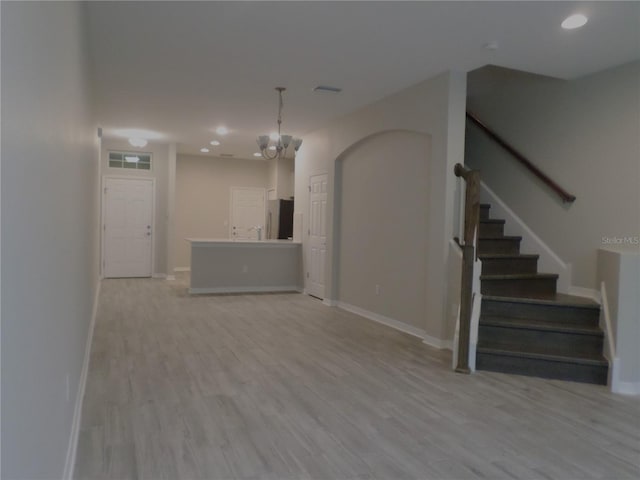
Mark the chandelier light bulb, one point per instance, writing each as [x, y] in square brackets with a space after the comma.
[281, 142]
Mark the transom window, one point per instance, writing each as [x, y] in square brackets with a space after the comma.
[131, 160]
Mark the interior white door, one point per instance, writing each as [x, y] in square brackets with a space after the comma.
[317, 235]
[247, 213]
[128, 227]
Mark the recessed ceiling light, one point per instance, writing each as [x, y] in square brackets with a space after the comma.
[204, 150]
[274, 136]
[138, 142]
[215, 143]
[574, 21]
[131, 159]
[492, 45]
[222, 130]
[257, 154]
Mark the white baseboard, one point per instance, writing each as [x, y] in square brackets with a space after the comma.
[170, 277]
[618, 386]
[161, 276]
[389, 322]
[182, 269]
[396, 324]
[437, 343]
[585, 292]
[77, 413]
[196, 291]
[626, 388]
[330, 303]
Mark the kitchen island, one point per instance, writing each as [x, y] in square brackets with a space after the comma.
[236, 266]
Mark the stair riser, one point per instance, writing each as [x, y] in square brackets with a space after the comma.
[542, 368]
[491, 229]
[587, 345]
[577, 316]
[508, 266]
[496, 246]
[484, 212]
[544, 288]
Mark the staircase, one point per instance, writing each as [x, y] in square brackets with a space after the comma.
[526, 327]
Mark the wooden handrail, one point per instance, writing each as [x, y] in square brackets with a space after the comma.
[471, 227]
[564, 195]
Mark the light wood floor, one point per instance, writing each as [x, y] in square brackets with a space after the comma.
[281, 387]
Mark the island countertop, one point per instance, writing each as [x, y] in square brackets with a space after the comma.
[235, 241]
[223, 265]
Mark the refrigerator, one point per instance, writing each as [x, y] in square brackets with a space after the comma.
[279, 219]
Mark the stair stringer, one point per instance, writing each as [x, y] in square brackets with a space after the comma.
[549, 261]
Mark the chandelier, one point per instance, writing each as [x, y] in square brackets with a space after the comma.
[281, 142]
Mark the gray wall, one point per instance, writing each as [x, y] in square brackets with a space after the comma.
[203, 196]
[584, 135]
[383, 200]
[49, 231]
[434, 107]
[160, 172]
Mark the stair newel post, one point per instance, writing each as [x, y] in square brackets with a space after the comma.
[471, 227]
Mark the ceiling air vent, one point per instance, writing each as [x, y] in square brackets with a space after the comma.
[327, 88]
[226, 155]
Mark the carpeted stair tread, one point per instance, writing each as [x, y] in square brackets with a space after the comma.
[540, 353]
[503, 237]
[541, 325]
[506, 256]
[559, 300]
[519, 276]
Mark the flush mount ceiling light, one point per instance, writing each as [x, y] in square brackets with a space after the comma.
[222, 130]
[204, 150]
[327, 88]
[281, 141]
[138, 142]
[492, 45]
[215, 143]
[574, 21]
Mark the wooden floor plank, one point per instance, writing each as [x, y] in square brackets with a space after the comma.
[279, 386]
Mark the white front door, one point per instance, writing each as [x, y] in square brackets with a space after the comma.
[317, 234]
[128, 227]
[247, 213]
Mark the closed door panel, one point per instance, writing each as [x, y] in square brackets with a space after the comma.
[317, 235]
[128, 227]
[247, 213]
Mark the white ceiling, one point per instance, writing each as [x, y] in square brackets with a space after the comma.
[181, 69]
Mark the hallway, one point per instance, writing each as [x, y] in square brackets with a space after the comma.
[279, 386]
